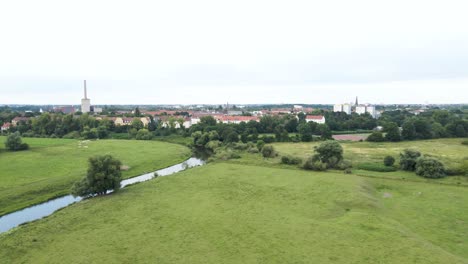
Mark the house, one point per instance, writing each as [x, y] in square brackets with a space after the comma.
[123, 121]
[319, 119]
[176, 121]
[16, 120]
[6, 127]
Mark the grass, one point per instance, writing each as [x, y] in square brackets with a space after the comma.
[51, 166]
[450, 151]
[231, 213]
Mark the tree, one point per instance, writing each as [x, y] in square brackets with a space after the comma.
[393, 132]
[137, 112]
[408, 159]
[409, 130]
[376, 137]
[329, 152]
[324, 131]
[460, 131]
[389, 161]
[305, 132]
[232, 137]
[208, 121]
[103, 174]
[430, 168]
[15, 143]
[137, 124]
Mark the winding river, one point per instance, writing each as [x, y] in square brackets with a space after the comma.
[12, 220]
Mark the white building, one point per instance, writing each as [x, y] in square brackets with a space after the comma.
[317, 119]
[85, 102]
[338, 108]
[362, 109]
[346, 108]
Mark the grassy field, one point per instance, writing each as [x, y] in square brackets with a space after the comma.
[51, 166]
[450, 151]
[230, 213]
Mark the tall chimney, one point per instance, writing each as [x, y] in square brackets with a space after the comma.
[85, 92]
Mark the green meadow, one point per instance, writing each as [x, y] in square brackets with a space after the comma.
[51, 166]
[450, 151]
[256, 210]
[232, 213]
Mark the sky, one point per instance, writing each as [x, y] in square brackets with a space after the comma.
[242, 52]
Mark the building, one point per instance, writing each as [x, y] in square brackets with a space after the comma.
[19, 119]
[65, 109]
[316, 119]
[127, 121]
[236, 119]
[362, 109]
[6, 127]
[85, 102]
[346, 108]
[338, 108]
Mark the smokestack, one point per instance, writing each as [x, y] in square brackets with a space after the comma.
[85, 92]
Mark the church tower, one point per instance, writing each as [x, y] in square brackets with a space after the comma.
[357, 102]
[85, 102]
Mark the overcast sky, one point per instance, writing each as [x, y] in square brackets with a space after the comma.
[190, 52]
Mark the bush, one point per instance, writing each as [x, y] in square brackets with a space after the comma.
[408, 159]
[268, 152]
[144, 134]
[316, 165]
[15, 143]
[253, 150]
[376, 137]
[290, 160]
[465, 142]
[389, 161]
[260, 145]
[268, 139]
[348, 171]
[430, 168]
[344, 165]
[375, 167]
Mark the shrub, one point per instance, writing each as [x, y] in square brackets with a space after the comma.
[376, 137]
[290, 160]
[144, 134]
[389, 161]
[465, 142]
[344, 165]
[348, 171]
[260, 145]
[72, 135]
[240, 146]
[268, 139]
[15, 143]
[316, 165]
[430, 168]
[268, 152]
[408, 159]
[253, 150]
[375, 167]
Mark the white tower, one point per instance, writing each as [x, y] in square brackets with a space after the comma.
[85, 102]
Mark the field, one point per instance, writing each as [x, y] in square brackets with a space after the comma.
[230, 213]
[450, 151]
[51, 166]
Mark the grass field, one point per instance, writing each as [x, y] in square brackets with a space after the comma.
[450, 151]
[230, 213]
[51, 166]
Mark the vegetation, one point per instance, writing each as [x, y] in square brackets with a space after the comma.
[330, 153]
[103, 175]
[236, 213]
[268, 152]
[51, 166]
[389, 161]
[290, 160]
[375, 167]
[408, 159]
[376, 137]
[15, 143]
[430, 168]
[449, 151]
